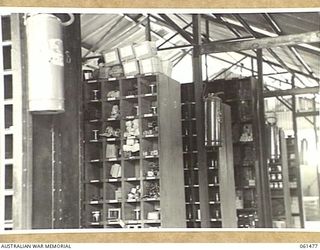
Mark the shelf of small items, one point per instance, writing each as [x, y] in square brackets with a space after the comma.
[189, 147]
[239, 95]
[93, 169]
[214, 187]
[294, 184]
[127, 139]
[245, 175]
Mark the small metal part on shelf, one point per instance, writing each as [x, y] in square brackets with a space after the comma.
[134, 193]
[247, 135]
[113, 94]
[111, 132]
[153, 88]
[152, 190]
[95, 134]
[96, 216]
[115, 112]
[95, 94]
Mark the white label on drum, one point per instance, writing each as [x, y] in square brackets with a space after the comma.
[56, 52]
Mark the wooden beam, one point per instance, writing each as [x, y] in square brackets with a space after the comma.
[295, 91]
[261, 43]
[235, 28]
[308, 113]
[22, 120]
[182, 32]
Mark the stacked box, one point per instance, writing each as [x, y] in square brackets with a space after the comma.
[150, 65]
[111, 58]
[145, 50]
[127, 53]
[131, 68]
[131, 60]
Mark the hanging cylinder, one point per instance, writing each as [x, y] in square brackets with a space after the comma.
[213, 119]
[45, 64]
[274, 133]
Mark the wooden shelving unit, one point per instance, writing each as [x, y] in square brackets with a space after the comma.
[220, 189]
[279, 187]
[6, 129]
[242, 97]
[297, 214]
[133, 171]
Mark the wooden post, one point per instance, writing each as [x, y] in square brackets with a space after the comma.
[22, 120]
[264, 181]
[226, 173]
[56, 152]
[199, 114]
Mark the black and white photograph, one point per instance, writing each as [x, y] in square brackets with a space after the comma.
[159, 119]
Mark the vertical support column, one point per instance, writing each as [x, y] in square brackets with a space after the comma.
[22, 120]
[314, 108]
[148, 29]
[285, 179]
[208, 40]
[68, 133]
[261, 137]
[295, 132]
[226, 173]
[252, 67]
[199, 110]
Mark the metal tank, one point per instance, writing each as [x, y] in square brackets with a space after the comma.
[213, 119]
[274, 133]
[45, 64]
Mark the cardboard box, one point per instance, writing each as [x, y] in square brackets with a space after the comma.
[118, 193]
[111, 151]
[153, 216]
[131, 68]
[126, 53]
[150, 65]
[116, 71]
[115, 171]
[145, 50]
[111, 58]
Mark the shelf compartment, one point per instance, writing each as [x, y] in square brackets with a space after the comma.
[148, 85]
[131, 170]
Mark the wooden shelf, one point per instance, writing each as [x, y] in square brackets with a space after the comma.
[112, 201]
[134, 91]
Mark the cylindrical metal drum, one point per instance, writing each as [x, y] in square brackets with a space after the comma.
[213, 119]
[274, 134]
[45, 64]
